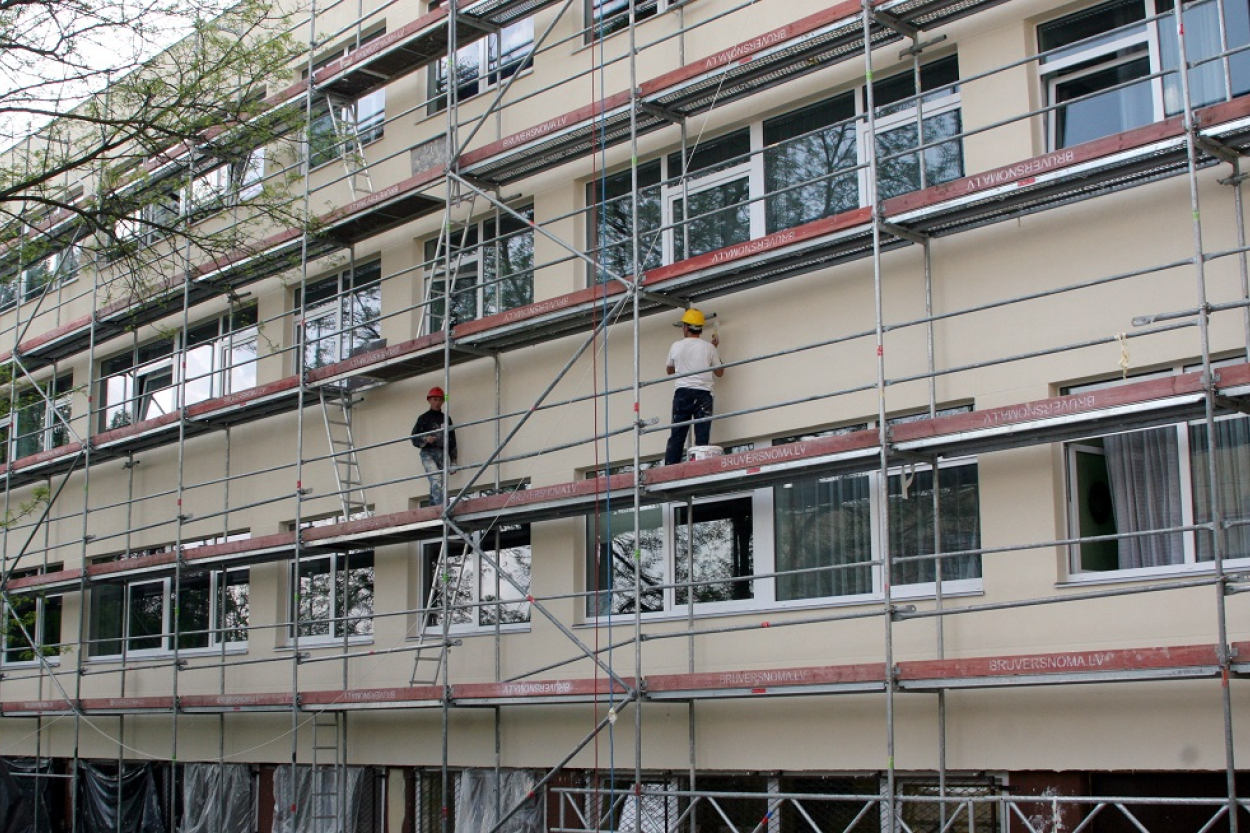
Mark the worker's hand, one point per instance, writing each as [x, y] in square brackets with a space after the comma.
[715, 340]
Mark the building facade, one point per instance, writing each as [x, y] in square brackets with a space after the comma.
[973, 554]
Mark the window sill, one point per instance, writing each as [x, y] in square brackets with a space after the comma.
[325, 642]
[474, 630]
[30, 663]
[1150, 573]
[919, 592]
[156, 655]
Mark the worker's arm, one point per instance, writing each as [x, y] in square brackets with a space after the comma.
[720, 371]
[670, 370]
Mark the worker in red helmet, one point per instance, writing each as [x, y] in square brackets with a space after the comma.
[697, 364]
[427, 435]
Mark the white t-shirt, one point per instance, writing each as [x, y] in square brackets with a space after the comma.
[693, 354]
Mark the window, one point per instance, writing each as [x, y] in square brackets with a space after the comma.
[209, 607]
[340, 315]
[334, 595]
[338, 127]
[711, 552]
[212, 359]
[1097, 64]
[152, 221]
[782, 172]
[479, 596]
[483, 64]
[40, 616]
[38, 419]
[493, 275]
[228, 183]
[607, 16]
[27, 284]
[1153, 480]
[821, 535]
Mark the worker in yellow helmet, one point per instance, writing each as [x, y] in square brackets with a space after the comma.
[697, 365]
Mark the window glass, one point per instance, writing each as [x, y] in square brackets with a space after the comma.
[824, 537]
[484, 64]
[493, 276]
[341, 315]
[145, 624]
[335, 595]
[912, 524]
[717, 216]
[802, 149]
[714, 552]
[607, 16]
[1232, 482]
[40, 617]
[108, 619]
[474, 583]
[611, 569]
[612, 224]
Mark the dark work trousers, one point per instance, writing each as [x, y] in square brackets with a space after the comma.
[688, 404]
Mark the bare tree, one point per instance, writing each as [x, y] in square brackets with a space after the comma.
[135, 150]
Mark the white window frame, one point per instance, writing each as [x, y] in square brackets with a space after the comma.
[485, 540]
[214, 636]
[227, 184]
[467, 262]
[750, 169]
[182, 389]
[337, 309]
[593, 23]
[36, 629]
[337, 564]
[928, 105]
[1185, 474]
[56, 407]
[482, 54]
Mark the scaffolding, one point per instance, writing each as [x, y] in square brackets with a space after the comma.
[456, 184]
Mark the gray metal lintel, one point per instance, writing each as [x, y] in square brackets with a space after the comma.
[659, 112]
[1232, 404]
[920, 46]
[665, 300]
[484, 352]
[1218, 149]
[902, 233]
[889, 21]
[478, 24]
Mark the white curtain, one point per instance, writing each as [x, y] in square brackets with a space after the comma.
[1146, 494]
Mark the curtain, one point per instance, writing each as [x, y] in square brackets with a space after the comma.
[1202, 40]
[476, 802]
[1232, 483]
[1144, 471]
[313, 807]
[217, 798]
[823, 527]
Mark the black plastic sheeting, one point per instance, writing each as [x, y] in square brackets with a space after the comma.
[25, 796]
[130, 799]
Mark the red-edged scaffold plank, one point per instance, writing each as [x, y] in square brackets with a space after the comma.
[1232, 376]
[538, 495]
[1066, 664]
[235, 702]
[105, 705]
[239, 549]
[540, 132]
[362, 527]
[1085, 403]
[655, 278]
[559, 304]
[36, 707]
[31, 461]
[140, 564]
[367, 697]
[377, 358]
[540, 690]
[34, 582]
[134, 429]
[847, 12]
[766, 680]
[400, 37]
[222, 404]
[749, 462]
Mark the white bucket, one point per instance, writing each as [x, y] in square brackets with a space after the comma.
[703, 452]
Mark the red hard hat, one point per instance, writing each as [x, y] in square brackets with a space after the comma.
[436, 391]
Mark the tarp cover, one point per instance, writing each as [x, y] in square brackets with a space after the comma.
[37, 784]
[476, 803]
[218, 798]
[16, 814]
[103, 793]
[314, 808]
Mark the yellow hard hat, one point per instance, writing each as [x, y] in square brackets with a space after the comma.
[694, 318]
